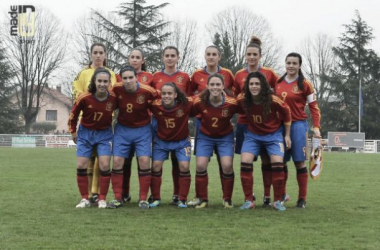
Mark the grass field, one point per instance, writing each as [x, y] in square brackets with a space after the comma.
[38, 196]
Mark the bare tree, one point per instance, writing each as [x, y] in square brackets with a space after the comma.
[239, 24]
[35, 62]
[318, 61]
[184, 36]
[88, 30]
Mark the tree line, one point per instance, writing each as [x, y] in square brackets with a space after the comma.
[335, 66]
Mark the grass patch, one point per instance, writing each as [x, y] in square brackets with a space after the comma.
[39, 193]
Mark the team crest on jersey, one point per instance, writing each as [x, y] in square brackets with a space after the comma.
[225, 112]
[140, 99]
[144, 78]
[109, 106]
[160, 80]
[295, 89]
[180, 113]
[179, 79]
[202, 80]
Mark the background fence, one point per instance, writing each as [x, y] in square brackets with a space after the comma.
[64, 141]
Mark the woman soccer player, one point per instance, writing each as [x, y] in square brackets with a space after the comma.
[215, 133]
[80, 85]
[199, 83]
[265, 131]
[136, 59]
[253, 56]
[94, 132]
[171, 73]
[172, 113]
[296, 91]
[132, 131]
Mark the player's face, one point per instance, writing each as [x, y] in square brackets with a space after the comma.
[170, 58]
[129, 81]
[102, 82]
[215, 86]
[168, 95]
[136, 60]
[292, 66]
[98, 55]
[252, 55]
[212, 57]
[254, 86]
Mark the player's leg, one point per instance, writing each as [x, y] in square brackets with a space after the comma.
[299, 132]
[127, 171]
[201, 181]
[250, 148]
[142, 144]
[266, 170]
[160, 153]
[226, 152]
[84, 152]
[204, 151]
[175, 176]
[104, 152]
[183, 154]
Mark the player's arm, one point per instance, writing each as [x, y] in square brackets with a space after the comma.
[284, 109]
[73, 118]
[311, 99]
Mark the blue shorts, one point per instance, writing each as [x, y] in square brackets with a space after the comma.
[240, 130]
[273, 143]
[197, 126]
[154, 126]
[127, 139]
[298, 151]
[223, 145]
[161, 149]
[88, 139]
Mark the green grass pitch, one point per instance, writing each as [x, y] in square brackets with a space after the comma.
[38, 196]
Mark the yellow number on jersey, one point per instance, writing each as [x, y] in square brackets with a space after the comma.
[257, 119]
[129, 108]
[98, 116]
[170, 123]
[215, 120]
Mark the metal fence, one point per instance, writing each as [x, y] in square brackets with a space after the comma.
[64, 141]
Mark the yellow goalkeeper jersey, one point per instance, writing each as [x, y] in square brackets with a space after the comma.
[83, 79]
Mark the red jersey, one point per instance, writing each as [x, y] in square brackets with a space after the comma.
[297, 100]
[97, 115]
[200, 77]
[172, 124]
[180, 79]
[143, 77]
[258, 125]
[133, 107]
[240, 77]
[216, 121]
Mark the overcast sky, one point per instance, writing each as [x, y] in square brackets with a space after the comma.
[291, 20]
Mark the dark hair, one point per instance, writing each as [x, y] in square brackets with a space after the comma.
[214, 47]
[100, 70]
[301, 78]
[143, 66]
[255, 42]
[125, 68]
[205, 95]
[170, 47]
[265, 93]
[105, 51]
[181, 97]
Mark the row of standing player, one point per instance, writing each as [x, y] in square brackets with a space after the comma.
[199, 78]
